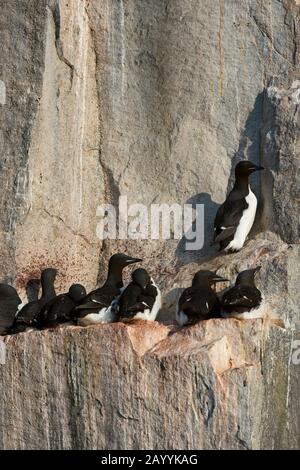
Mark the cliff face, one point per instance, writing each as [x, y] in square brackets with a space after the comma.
[228, 385]
[156, 100]
[50, 131]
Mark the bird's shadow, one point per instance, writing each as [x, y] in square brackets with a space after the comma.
[249, 149]
[250, 142]
[204, 226]
[168, 309]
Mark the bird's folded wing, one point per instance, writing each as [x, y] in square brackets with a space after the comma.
[186, 295]
[151, 291]
[148, 300]
[225, 233]
[98, 299]
[44, 312]
[238, 302]
[228, 218]
[91, 304]
[28, 312]
[139, 307]
[80, 311]
[241, 297]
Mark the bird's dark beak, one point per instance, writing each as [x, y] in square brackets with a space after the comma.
[220, 279]
[133, 260]
[257, 168]
[257, 269]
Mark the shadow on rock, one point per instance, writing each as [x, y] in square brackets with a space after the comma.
[250, 141]
[168, 310]
[208, 250]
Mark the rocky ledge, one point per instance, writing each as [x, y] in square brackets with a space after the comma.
[221, 384]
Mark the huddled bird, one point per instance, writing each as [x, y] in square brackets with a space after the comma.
[235, 217]
[60, 309]
[27, 316]
[9, 304]
[199, 302]
[141, 299]
[243, 300]
[100, 305]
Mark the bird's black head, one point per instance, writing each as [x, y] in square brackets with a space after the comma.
[116, 265]
[207, 278]
[120, 260]
[247, 277]
[245, 168]
[7, 291]
[141, 278]
[48, 275]
[77, 292]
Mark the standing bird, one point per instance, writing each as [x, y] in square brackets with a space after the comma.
[199, 302]
[9, 304]
[100, 305]
[235, 217]
[59, 310]
[27, 317]
[243, 300]
[141, 299]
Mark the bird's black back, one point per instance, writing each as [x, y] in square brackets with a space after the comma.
[241, 298]
[229, 213]
[149, 295]
[131, 296]
[27, 317]
[228, 217]
[9, 302]
[199, 303]
[56, 311]
[96, 300]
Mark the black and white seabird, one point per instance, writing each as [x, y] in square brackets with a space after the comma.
[59, 310]
[27, 317]
[141, 299]
[100, 305]
[199, 302]
[243, 300]
[235, 217]
[9, 304]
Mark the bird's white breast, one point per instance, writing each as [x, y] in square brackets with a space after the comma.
[105, 315]
[257, 312]
[245, 223]
[151, 314]
[145, 315]
[157, 304]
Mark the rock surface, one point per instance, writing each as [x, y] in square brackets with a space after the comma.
[104, 97]
[281, 155]
[220, 385]
[156, 100]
